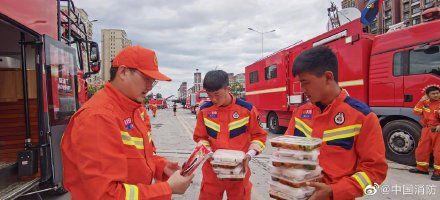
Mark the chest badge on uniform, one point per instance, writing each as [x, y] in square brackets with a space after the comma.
[235, 115]
[307, 114]
[212, 114]
[128, 123]
[339, 118]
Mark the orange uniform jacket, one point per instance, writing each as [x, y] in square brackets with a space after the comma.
[233, 127]
[353, 153]
[108, 153]
[429, 111]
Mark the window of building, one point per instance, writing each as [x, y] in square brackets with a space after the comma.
[397, 64]
[387, 3]
[416, 20]
[253, 77]
[415, 9]
[388, 13]
[388, 22]
[406, 6]
[270, 72]
[415, 1]
[425, 61]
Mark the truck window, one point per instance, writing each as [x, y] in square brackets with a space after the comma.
[203, 95]
[253, 77]
[425, 62]
[270, 72]
[397, 64]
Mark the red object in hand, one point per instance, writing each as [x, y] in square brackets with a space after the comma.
[198, 157]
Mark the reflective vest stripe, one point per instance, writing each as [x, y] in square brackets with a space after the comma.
[422, 163]
[303, 127]
[127, 139]
[214, 126]
[362, 179]
[131, 192]
[259, 143]
[239, 123]
[342, 132]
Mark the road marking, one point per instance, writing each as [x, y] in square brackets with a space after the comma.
[187, 129]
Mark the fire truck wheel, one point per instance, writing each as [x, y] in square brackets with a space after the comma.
[273, 124]
[401, 138]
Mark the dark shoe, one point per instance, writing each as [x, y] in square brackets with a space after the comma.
[417, 171]
[435, 177]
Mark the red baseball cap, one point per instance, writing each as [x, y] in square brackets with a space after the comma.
[142, 59]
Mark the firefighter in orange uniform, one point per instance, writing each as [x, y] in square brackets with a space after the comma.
[107, 149]
[154, 109]
[226, 122]
[353, 152]
[429, 109]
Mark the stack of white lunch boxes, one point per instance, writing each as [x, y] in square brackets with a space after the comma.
[228, 164]
[294, 163]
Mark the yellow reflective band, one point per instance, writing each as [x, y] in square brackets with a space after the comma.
[131, 192]
[342, 132]
[149, 136]
[205, 142]
[239, 123]
[427, 109]
[418, 109]
[132, 141]
[437, 167]
[422, 163]
[362, 179]
[214, 126]
[261, 144]
[303, 127]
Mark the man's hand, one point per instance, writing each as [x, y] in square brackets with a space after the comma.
[246, 160]
[171, 167]
[179, 183]
[424, 98]
[322, 191]
[437, 129]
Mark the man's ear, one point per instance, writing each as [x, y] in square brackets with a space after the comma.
[122, 72]
[329, 76]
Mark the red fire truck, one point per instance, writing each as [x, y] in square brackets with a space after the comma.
[196, 99]
[388, 72]
[44, 56]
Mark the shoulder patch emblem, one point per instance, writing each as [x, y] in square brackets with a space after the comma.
[212, 114]
[235, 115]
[128, 123]
[307, 114]
[339, 118]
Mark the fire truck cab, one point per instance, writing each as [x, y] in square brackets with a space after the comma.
[44, 56]
[387, 72]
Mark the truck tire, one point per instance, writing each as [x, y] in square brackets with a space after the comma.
[273, 124]
[401, 138]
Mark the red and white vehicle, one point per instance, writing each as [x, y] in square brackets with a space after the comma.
[388, 72]
[43, 58]
[196, 99]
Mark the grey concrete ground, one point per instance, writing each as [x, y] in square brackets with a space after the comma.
[173, 139]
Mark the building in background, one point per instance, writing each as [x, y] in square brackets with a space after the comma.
[182, 91]
[112, 41]
[393, 12]
[197, 81]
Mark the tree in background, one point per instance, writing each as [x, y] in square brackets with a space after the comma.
[158, 95]
[237, 89]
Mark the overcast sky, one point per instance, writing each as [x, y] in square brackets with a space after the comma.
[205, 34]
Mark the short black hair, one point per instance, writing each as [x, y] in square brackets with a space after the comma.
[316, 61]
[431, 89]
[114, 70]
[215, 80]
